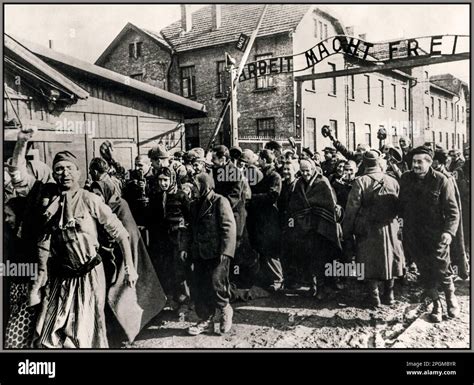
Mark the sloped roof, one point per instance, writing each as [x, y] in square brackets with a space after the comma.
[189, 107]
[450, 82]
[236, 19]
[21, 51]
[155, 37]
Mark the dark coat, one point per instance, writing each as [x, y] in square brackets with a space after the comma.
[167, 215]
[213, 229]
[377, 244]
[132, 307]
[263, 221]
[134, 195]
[312, 206]
[428, 207]
[457, 249]
[342, 190]
[229, 182]
[287, 189]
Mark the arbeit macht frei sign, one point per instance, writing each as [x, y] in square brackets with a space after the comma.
[358, 49]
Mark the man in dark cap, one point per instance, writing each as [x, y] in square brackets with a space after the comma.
[160, 157]
[69, 219]
[329, 165]
[430, 221]
[137, 189]
[229, 182]
[213, 242]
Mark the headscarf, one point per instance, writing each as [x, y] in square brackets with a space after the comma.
[204, 182]
[170, 173]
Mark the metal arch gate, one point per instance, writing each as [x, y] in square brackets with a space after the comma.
[392, 55]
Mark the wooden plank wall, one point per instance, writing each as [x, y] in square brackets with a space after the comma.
[109, 113]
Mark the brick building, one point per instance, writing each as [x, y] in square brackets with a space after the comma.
[188, 57]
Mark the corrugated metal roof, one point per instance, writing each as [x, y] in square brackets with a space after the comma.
[236, 19]
[120, 80]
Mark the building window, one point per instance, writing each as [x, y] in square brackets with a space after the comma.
[439, 108]
[368, 134]
[333, 89]
[367, 82]
[135, 49]
[394, 93]
[394, 136]
[325, 31]
[459, 139]
[446, 109]
[313, 81]
[457, 112]
[188, 82]
[433, 136]
[352, 136]
[463, 139]
[333, 126]
[266, 127]
[265, 81]
[381, 92]
[221, 86]
[432, 106]
[453, 140]
[427, 109]
[138, 76]
[321, 30]
[310, 130]
[447, 140]
[440, 137]
[405, 131]
[315, 28]
[462, 114]
[405, 99]
[452, 111]
[192, 135]
[351, 87]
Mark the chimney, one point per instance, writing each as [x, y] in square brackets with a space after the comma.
[350, 30]
[216, 16]
[186, 19]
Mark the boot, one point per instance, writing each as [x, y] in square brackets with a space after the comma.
[388, 297]
[373, 298]
[452, 302]
[437, 312]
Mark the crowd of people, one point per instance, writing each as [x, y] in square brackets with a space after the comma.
[199, 231]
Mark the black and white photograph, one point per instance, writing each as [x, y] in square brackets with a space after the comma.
[227, 176]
